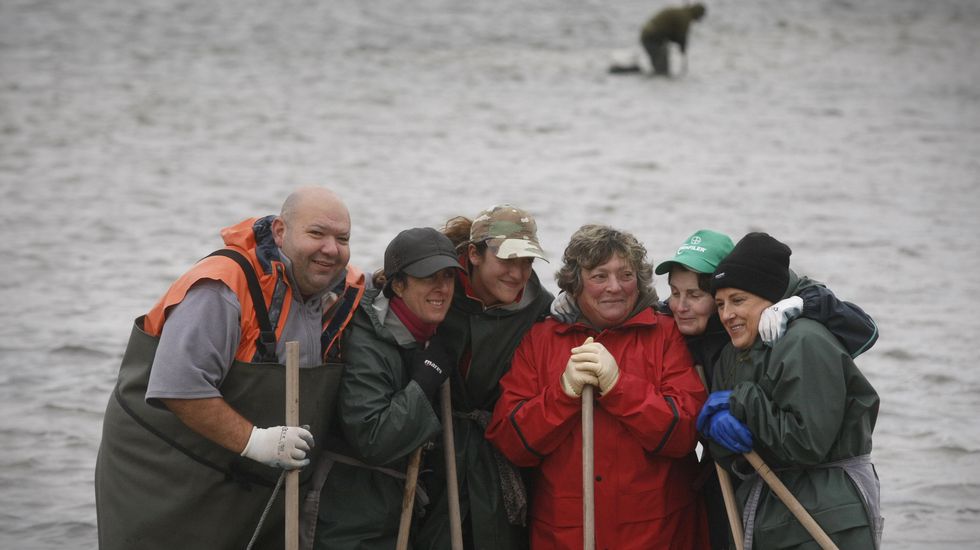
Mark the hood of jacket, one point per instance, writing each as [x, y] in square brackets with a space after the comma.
[381, 321]
[254, 233]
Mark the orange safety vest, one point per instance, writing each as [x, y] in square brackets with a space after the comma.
[227, 271]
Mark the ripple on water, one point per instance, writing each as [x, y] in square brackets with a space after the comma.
[899, 354]
[74, 351]
[938, 379]
[957, 450]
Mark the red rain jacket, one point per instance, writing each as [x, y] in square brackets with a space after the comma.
[644, 430]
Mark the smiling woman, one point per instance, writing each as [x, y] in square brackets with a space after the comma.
[395, 363]
[801, 403]
[420, 267]
[649, 396]
[497, 298]
[689, 277]
[608, 292]
[607, 274]
[740, 312]
[693, 306]
[427, 297]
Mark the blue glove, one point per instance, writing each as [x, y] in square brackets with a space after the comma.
[717, 401]
[729, 432]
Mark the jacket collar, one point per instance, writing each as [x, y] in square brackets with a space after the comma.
[265, 242]
[254, 233]
[386, 324]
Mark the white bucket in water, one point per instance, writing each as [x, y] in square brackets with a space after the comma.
[624, 61]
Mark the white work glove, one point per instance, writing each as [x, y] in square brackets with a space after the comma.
[595, 357]
[564, 308]
[280, 446]
[576, 376]
[775, 318]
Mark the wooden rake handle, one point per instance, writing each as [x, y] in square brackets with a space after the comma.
[780, 490]
[408, 499]
[292, 419]
[588, 468]
[777, 487]
[725, 481]
[449, 450]
[728, 494]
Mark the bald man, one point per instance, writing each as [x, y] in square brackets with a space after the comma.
[193, 438]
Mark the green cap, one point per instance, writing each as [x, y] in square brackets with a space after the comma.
[701, 252]
[508, 231]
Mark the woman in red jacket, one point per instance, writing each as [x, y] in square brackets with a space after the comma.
[648, 397]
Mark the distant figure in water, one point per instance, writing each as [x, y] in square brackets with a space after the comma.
[669, 25]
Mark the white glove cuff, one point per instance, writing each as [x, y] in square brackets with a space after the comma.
[251, 438]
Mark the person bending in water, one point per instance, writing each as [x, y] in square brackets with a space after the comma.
[669, 25]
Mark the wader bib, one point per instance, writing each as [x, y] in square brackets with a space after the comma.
[159, 485]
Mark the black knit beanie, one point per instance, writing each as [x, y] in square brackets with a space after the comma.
[758, 264]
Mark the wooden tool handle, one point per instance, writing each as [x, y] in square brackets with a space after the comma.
[292, 419]
[780, 490]
[734, 521]
[588, 468]
[452, 484]
[408, 499]
[725, 481]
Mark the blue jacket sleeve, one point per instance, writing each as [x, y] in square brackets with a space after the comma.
[855, 329]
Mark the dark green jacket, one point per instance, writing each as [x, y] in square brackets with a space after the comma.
[486, 338]
[382, 417]
[669, 25]
[806, 404]
[854, 328]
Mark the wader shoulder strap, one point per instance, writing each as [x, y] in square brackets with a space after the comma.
[265, 344]
[339, 315]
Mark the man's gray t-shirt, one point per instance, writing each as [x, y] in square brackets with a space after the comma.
[202, 334]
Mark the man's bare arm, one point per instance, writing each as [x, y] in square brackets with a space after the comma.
[214, 419]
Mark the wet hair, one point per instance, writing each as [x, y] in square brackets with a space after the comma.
[594, 245]
[379, 280]
[704, 279]
[458, 231]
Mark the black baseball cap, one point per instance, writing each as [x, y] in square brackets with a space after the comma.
[419, 252]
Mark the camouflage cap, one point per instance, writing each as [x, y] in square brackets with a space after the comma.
[510, 232]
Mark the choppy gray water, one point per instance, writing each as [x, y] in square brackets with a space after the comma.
[130, 132]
